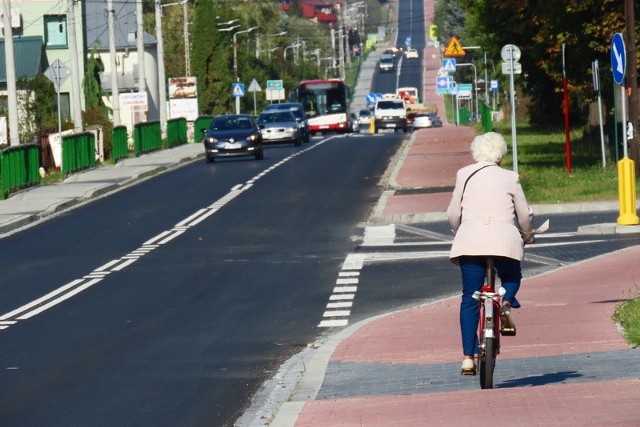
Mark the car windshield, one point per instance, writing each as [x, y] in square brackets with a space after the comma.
[365, 113]
[389, 104]
[231, 123]
[276, 116]
[295, 109]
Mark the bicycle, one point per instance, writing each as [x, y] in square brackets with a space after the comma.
[489, 329]
[489, 326]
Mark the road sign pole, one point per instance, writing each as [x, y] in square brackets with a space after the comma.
[237, 105]
[512, 91]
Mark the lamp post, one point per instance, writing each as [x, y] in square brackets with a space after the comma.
[293, 46]
[281, 33]
[235, 54]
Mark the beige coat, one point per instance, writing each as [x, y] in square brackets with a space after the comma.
[492, 215]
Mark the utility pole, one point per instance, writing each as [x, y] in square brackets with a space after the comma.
[187, 58]
[142, 85]
[162, 84]
[632, 82]
[12, 98]
[115, 90]
[75, 69]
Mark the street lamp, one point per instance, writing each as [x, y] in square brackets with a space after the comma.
[281, 33]
[235, 55]
[293, 46]
[233, 21]
[235, 51]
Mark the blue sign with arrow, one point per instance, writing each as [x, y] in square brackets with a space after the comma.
[618, 58]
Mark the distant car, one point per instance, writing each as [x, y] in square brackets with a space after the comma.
[421, 121]
[354, 123]
[387, 62]
[436, 122]
[364, 117]
[279, 126]
[411, 53]
[298, 113]
[232, 135]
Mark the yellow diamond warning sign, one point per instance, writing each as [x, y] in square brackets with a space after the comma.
[454, 48]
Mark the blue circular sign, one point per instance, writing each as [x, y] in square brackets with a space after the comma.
[618, 58]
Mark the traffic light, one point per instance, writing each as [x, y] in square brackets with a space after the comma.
[433, 32]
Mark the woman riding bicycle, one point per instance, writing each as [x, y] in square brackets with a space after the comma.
[490, 216]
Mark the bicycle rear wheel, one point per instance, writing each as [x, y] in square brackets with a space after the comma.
[487, 363]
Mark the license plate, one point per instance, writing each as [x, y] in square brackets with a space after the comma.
[232, 146]
[391, 125]
[324, 127]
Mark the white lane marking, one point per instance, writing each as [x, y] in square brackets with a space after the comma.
[345, 304]
[336, 297]
[74, 287]
[333, 323]
[347, 281]
[344, 289]
[337, 313]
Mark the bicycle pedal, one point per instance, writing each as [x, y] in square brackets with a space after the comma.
[471, 371]
[508, 332]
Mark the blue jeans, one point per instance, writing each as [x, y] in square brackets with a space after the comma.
[473, 269]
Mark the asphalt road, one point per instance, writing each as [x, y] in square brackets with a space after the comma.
[170, 302]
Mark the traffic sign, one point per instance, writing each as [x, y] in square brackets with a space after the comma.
[275, 85]
[618, 58]
[237, 89]
[449, 65]
[443, 85]
[506, 68]
[58, 73]
[454, 48]
[510, 52]
[254, 86]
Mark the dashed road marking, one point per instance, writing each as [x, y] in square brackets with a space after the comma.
[74, 287]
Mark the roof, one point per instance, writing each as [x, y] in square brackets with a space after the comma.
[28, 57]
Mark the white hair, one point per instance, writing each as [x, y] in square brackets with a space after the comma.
[488, 147]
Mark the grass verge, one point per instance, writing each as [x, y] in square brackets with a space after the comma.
[628, 316]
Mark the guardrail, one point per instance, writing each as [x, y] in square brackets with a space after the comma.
[119, 143]
[19, 167]
[78, 152]
[147, 137]
[176, 132]
[202, 122]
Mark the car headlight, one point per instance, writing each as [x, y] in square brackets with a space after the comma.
[291, 129]
[252, 137]
[301, 125]
[211, 140]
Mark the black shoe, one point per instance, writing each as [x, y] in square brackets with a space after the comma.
[508, 326]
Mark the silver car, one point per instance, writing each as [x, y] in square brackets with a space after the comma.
[279, 126]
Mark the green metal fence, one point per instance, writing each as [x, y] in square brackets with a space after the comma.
[147, 137]
[202, 122]
[119, 143]
[78, 152]
[485, 113]
[19, 167]
[176, 132]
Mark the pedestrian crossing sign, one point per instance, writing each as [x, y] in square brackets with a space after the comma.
[237, 89]
[449, 65]
[454, 48]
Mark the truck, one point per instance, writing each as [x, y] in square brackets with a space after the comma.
[390, 113]
[412, 101]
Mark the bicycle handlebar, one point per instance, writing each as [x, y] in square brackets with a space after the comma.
[531, 237]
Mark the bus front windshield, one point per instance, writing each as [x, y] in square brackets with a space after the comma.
[322, 102]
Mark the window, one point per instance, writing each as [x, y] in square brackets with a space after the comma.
[55, 31]
[65, 105]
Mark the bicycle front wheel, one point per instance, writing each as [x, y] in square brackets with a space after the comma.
[487, 363]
